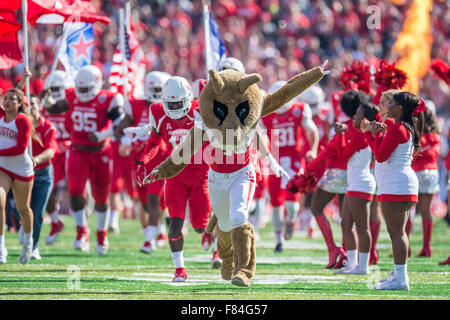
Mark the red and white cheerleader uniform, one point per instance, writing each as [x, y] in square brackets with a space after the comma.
[14, 138]
[425, 163]
[396, 180]
[426, 167]
[355, 150]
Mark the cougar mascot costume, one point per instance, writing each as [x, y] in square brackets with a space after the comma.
[230, 106]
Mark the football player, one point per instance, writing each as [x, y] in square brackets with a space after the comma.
[58, 85]
[91, 113]
[137, 115]
[323, 117]
[170, 121]
[284, 129]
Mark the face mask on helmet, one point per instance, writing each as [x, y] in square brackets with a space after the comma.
[58, 85]
[153, 83]
[88, 83]
[176, 97]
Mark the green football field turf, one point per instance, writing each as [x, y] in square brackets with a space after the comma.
[296, 273]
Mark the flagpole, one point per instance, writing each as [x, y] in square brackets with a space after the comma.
[27, 64]
[122, 51]
[207, 43]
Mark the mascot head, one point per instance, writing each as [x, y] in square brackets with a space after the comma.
[231, 104]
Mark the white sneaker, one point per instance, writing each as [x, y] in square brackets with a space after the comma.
[27, 249]
[358, 270]
[394, 284]
[20, 234]
[114, 229]
[35, 254]
[3, 255]
[146, 247]
[344, 270]
[103, 249]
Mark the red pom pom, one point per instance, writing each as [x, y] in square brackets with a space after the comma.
[303, 183]
[356, 77]
[441, 69]
[389, 76]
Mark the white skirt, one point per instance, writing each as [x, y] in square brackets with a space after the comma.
[428, 181]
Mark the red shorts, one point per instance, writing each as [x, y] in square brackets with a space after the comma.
[261, 185]
[278, 195]
[93, 166]
[181, 192]
[122, 174]
[59, 168]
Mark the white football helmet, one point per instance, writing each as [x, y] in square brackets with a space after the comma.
[197, 87]
[274, 87]
[153, 83]
[430, 105]
[314, 96]
[176, 90]
[88, 83]
[58, 85]
[231, 63]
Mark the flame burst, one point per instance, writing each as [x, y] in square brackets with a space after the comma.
[413, 44]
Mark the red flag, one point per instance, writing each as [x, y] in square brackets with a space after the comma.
[86, 12]
[10, 5]
[60, 11]
[10, 54]
[7, 25]
[37, 8]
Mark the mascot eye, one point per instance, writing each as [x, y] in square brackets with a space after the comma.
[242, 111]
[220, 111]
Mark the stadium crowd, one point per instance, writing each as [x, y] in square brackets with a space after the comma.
[275, 38]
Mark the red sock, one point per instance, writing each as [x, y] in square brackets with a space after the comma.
[325, 228]
[343, 242]
[427, 225]
[374, 232]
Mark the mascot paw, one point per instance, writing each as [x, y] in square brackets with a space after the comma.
[240, 280]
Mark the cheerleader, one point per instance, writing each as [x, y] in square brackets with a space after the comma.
[334, 180]
[425, 165]
[393, 144]
[359, 195]
[16, 168]
[447, 166]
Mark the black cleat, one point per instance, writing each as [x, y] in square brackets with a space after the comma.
[278, 248]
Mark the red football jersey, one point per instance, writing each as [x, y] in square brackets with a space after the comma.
[173, 131]
[62, 135]
[85, 117]
[285, 131]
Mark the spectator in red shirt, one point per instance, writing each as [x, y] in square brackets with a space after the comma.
[44, 147]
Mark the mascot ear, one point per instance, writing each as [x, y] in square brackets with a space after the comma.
[246, 82]
[217, 82]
